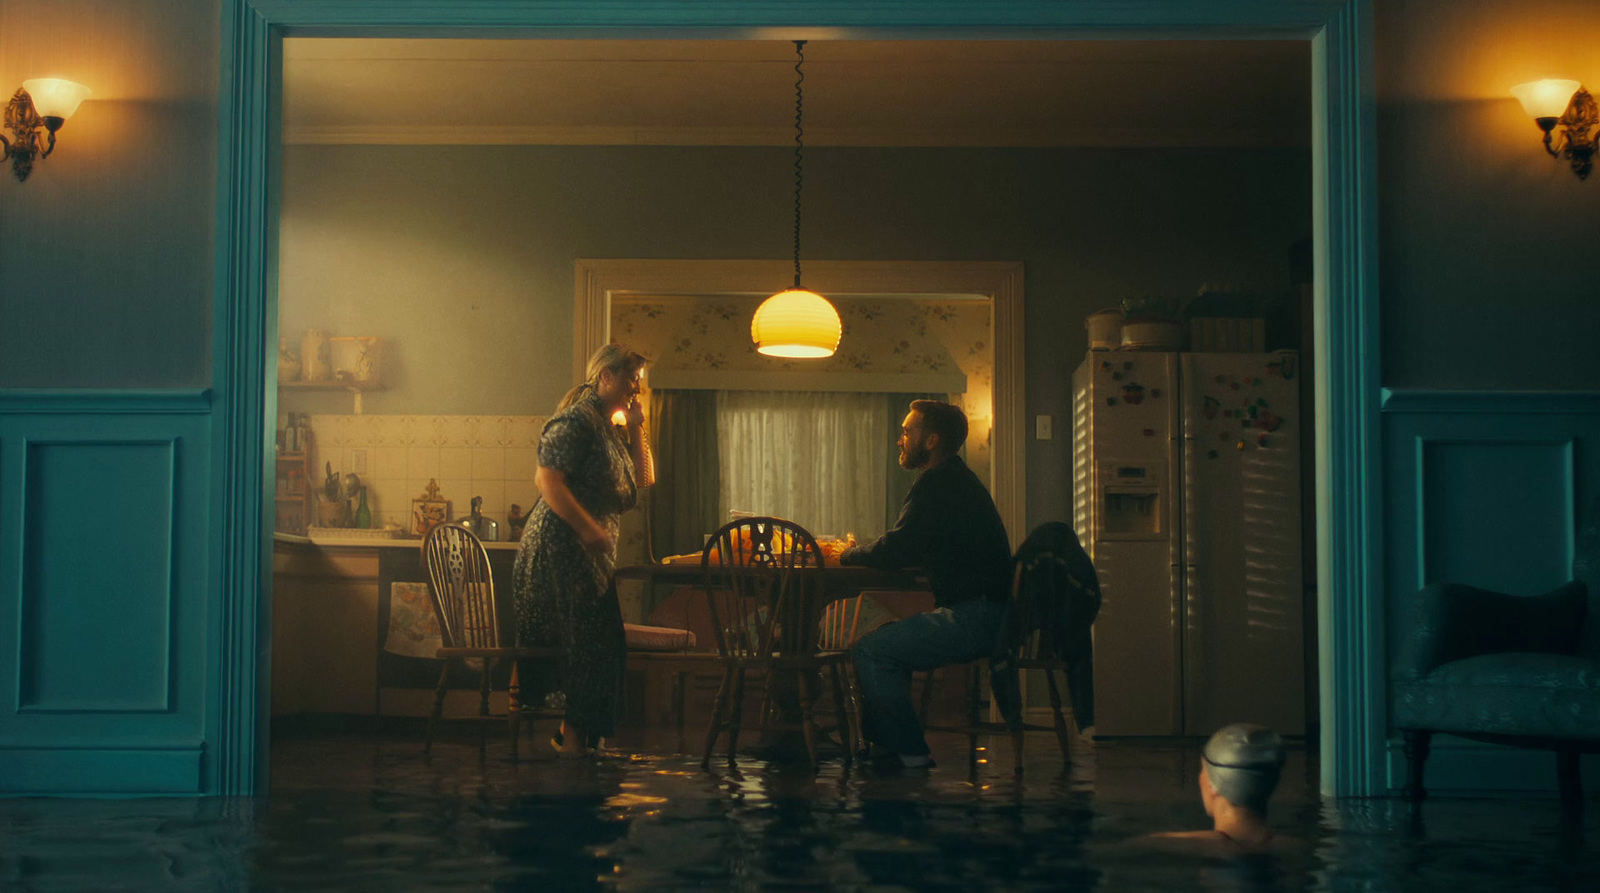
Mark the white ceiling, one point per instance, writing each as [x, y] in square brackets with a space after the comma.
[741, 92]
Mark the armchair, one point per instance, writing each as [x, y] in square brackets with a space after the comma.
[1508, 669]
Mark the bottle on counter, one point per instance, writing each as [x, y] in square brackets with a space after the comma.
[363, 514]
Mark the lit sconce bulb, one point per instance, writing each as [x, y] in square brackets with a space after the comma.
[1567, 115]
[619, 418]
[55, 98]
[42, 103]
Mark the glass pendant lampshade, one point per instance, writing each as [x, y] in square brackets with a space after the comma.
[1547, 98]
[55, 98]
[796, 323]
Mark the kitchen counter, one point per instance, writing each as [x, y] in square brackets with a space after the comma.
[367, 542]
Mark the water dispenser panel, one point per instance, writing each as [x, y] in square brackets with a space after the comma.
[1132, 501]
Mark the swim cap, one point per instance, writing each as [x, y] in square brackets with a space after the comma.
[1243, 761]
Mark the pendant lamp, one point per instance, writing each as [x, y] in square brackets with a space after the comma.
[796, 322]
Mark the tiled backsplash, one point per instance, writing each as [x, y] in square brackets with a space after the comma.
[469, 455]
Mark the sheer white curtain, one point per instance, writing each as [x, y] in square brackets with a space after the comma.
[817, 459]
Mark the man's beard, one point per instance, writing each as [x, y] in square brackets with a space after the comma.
[914, 456]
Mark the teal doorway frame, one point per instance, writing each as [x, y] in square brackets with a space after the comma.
[1344, 153]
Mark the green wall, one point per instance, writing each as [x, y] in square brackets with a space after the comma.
[1488, 246]
[106, 252]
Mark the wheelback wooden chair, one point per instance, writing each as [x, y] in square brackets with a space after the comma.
[763, 583]
[462, 588]
[1055, 598]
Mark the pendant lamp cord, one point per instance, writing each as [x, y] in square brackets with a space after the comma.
[799, 76]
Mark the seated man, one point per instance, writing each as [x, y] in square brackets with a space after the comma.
[949, 528]
[1239, 770]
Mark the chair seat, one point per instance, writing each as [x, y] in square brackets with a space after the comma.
[788, 662]
[657, 638]
[1509, 693]
[532, 653]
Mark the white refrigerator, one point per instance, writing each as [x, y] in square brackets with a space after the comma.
[1186, 492]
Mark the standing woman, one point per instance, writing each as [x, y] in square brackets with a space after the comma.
[589, 473]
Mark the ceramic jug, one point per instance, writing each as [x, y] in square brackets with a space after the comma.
[314, 364]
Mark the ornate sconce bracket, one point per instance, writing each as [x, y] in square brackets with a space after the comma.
[1575, 136]
[24, 124]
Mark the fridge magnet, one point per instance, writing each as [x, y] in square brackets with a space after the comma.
[429, 511]
[1105, 366]
[1149, 432]
[1127, 365]
[1239, 446]
[1133, 393]
[1116, 376]
[1261, 440]
[1155, 393]
[1269, 421]
[1234, 385]
[1111, 401]
[1211, 453]
[1284, 367]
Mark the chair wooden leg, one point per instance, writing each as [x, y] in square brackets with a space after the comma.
[717, 707]
[1416, 751]
[514, 709]
[1569, 779]
[438, 707]
[1017, 735]
[485, 668]
[842, 715]
[808, 715]
[974, 679]
[736, 719]
[1063, 734]
[680, 697]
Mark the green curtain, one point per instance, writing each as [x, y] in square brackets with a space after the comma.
[684, 501]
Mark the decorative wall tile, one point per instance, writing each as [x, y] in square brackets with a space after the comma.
[521, 463]
[455, 462]
[488, 462]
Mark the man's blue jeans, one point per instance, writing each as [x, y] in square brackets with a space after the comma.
[886, 657]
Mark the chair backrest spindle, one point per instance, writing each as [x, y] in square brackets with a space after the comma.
[762, 583]
[462, 586]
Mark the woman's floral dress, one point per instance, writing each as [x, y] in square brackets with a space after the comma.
[564, 593]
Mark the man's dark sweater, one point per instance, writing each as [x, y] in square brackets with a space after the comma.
[948, 526]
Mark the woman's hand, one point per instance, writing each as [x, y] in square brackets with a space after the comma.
[634, 413]
[600, 540]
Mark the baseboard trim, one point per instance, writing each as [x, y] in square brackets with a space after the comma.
[101, 771]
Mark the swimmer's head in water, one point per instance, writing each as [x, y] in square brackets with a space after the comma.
[1242, 762]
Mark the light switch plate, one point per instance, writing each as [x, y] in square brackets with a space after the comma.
[1041, 427]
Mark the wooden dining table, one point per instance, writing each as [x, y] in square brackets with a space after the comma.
[838, 582]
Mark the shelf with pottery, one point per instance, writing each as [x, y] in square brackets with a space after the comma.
[350, 363]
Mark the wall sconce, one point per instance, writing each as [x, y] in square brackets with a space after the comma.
[41, 103]
[1564, 104]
